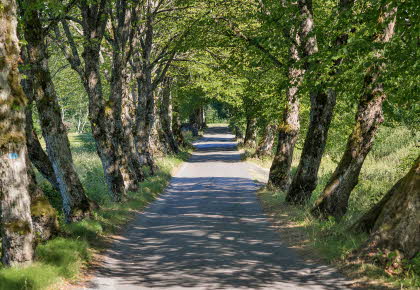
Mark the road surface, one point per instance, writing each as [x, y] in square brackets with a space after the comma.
[208, 232]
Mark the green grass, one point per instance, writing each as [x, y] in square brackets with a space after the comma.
[63, 257]
[391, 157]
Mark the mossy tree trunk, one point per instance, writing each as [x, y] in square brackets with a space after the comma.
[322, 105]
[123, 25]
[145, 118]
[128, 126]
[93, 20]
[393, 223]
[265, 147]
[150, 71]
[305, 180]
[334, 199]
[44, 216]
[15, 221]
[37, 155]
[303, 45]
[76, 205]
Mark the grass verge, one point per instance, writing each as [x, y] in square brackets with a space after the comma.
[392, 155]
[62, 259]
[331, 242]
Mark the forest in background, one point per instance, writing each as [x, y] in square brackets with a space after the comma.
[101, 98]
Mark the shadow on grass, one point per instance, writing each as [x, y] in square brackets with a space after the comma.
[82, 143]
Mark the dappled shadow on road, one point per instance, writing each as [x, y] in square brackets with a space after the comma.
[228, 157]
[209, 232]
[215, 148]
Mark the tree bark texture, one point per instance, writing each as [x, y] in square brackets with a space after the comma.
[303, 44]
[157, 139]
[130, 173]
[145, 118]
[251, 132]
[288, 131]
[265, 147]
[44, 216]
[322, 105]
[306, 177]
[128, 125]
[334, 199]
[122, 30]
[166, 117]
[37, 155]
[75, 202]
[15, 221]
[94, 20]
[393, 223]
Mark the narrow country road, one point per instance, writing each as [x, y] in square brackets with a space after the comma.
[208, 232]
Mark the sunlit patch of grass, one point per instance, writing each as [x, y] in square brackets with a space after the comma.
[65, 254]
[37, 276]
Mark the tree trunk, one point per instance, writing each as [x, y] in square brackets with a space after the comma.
[128, 124]
[203, 123]
[123, 27]
[15, 222]
[195, 122]
[306, 177]
[393, 223]
[157, 139]
[303, 44]
[176, 128]
[334, 199]
[130, 173]
[145, 117]
[279, 175]
[251, 132]
[75, 202]
[44, 216]
[37, 155]
[322, 106]
[238, 133]
[94, 20]
[265, 148]
[166, 117]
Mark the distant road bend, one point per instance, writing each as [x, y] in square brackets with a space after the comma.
[208, 232]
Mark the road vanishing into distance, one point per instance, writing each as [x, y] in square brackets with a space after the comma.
[208, 231]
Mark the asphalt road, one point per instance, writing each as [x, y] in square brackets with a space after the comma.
[208, 232]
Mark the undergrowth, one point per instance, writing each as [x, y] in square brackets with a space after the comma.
[333, 242]
[63, 257]
[391, 157]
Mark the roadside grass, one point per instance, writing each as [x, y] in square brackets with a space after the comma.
[63, 258]
[392, 155]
